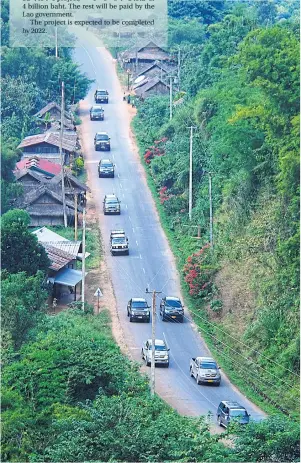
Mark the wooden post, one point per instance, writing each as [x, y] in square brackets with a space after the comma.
[75, 217]
[84, 259]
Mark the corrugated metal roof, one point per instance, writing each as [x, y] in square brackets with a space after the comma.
[70, 247]
[150, 84]
[45, 235]
[39, 163]
[69, 277]
[57, 257]
[52, 138]
[50, 106]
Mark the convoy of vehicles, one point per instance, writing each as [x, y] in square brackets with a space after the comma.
[111, 205]
[101, 96]
[204, 369]
[161, 352]
[138, 309]
[102, 141]
[97, 113]
[119, 243]
[171, 308]
[106, 168]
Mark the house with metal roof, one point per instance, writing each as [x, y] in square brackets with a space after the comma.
[39, 165]
[63, 255]
[47, 146]
[155, 69]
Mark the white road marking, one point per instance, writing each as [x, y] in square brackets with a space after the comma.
[133, 230]
[118, 175]
[130, 218]
[126, 206]
[140, 256]
[143, 269]
[120, 185]
[137, 243]
[123, 196]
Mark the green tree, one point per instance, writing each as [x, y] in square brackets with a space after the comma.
[20, 249]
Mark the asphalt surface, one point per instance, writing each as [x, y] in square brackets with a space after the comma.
[150, 263]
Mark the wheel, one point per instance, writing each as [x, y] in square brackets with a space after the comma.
[131, 319]
[218, 384]
[127, 253]
[104, 213]
[198, 380]
[148, 320]
[109, 149]
[181, 320]
[99, 175]
[191, 373]
[163, 318]
[147, 363]
[167, 365]
[128, 313]
[219, 421]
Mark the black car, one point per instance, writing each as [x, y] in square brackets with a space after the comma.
[111, 205]
[102, 142]
[106, 168]
[101, 96]
[171, 308]
[231, 411]
[97, 113]
[138, 309]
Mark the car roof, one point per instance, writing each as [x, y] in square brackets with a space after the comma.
[97, 106]
[233, 405]
[106, 160]
[206, 359]
[138, 299]
[172, 298]
[101, 90]
[158, 342]
[101, 133]
[110, 196]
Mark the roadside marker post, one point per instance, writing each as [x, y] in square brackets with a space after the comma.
[98, 294]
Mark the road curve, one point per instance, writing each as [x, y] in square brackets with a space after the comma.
[150, 262]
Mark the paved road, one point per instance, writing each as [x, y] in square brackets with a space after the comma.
[150, 262]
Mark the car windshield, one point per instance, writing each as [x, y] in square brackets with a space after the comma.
[102, 137]
[139, 305]
[160, 348]
[111, 201]
[238, 413]
[118, 241]
[172, 303]
[97, 110]
[208, 365]
[101, 92]
[106, 164]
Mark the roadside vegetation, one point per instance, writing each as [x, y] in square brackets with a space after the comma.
[241, 93]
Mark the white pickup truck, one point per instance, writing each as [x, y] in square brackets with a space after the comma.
[119, 243]
[205, 370]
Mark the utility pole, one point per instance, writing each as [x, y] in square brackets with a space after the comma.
[75, 216]
[179, 66]
[211, 210]
[152, 381]
[62, 157]
[170, 97]
[84, 259]
[190, 172]
[56, 47]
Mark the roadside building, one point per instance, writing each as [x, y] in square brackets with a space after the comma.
[141, 56]
[50, 116]
[39, 165]
[150, 87]
[47, 146]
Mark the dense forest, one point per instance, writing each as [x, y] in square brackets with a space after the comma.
[239, 89]
[68, 393]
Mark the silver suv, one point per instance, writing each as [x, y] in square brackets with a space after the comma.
[231, 411]
[161, 352]
[111, 205]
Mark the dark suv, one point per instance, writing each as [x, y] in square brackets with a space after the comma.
[231, 411]
[106, 168]
[96, 113]
[102, 141]
[111, 205]
[171, 308]
[138, 309]
[101, 96]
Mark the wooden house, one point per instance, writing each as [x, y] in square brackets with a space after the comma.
[154, 86]
[140, 57]
[39, 165]
[45, 207]
[47, 146]
[50, 116]
[155, 69]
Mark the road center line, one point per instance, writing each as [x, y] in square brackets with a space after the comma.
[143, 269]
[140, 256]
[137, 243]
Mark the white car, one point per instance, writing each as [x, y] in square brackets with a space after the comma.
[161, 352]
